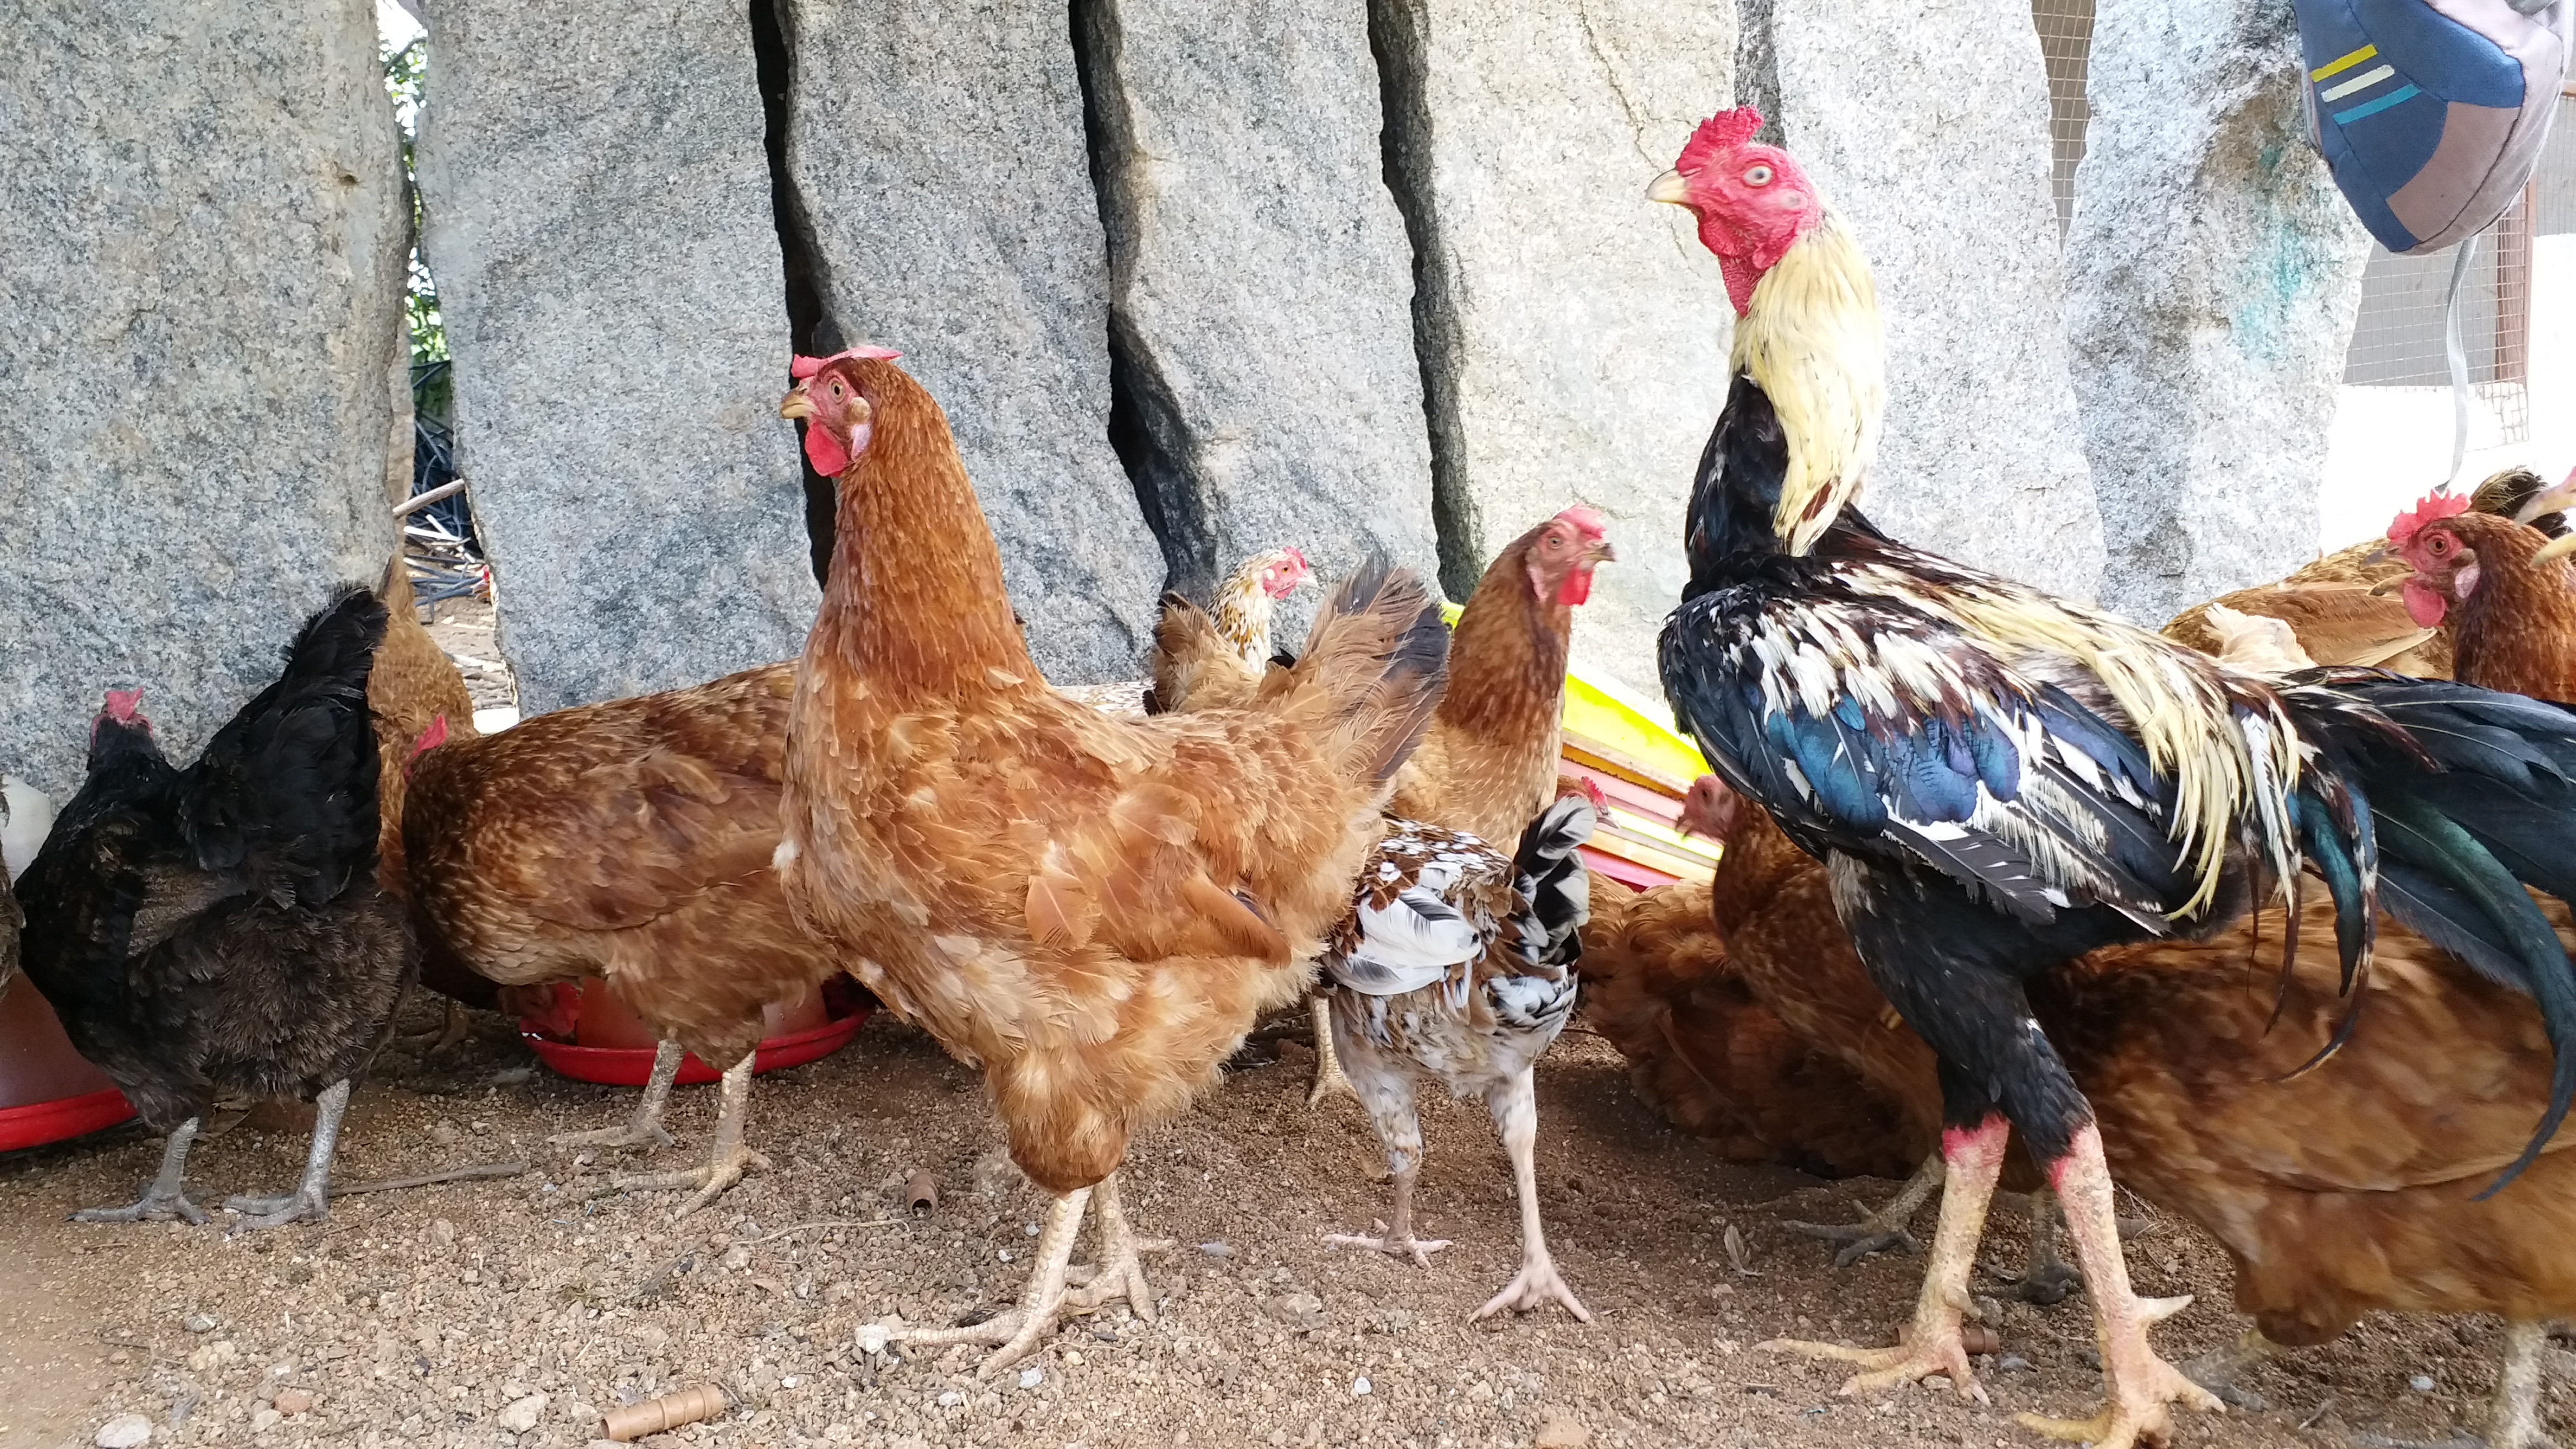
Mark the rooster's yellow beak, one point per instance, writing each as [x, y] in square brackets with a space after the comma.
[796, 404]
[1670, 189]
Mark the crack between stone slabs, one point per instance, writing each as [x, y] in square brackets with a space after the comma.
[811, 328]
[1395, 30]
[1146, 429]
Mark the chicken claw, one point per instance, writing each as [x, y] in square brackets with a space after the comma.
[1536, 1286]
[311, 1200]
[164, 1198]
[730, 1157]
[1119, 1274]
[1328, 1062]
[1394, 1245]
[1045, 1302]
[2140, 1410]
[1885, 1230]
[277, 1212]
[645, 1128]
[1906, 1363]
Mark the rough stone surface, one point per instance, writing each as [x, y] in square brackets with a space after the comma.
[938, 151]
[1943, 171]
[597, 204]
[1573, 334]
[1261, 285]
[201, 216]
[2214, 272]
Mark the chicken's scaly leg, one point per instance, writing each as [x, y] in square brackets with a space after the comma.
[311, 1200]
[725, 1166]
[1388, 1095]
[1885, 1230]
[1931, 1344]
[1515, 1108]
[164, 1197]
[2515, 1420]
[646, 1127]
[1041, 1304]
[2047, 1278]
[1328, 1063]
[1118, 1273]
[2142, 1385]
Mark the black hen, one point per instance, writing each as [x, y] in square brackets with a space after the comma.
[2000, 781]
[219, 929]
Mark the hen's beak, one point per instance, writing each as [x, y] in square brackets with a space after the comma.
[796, 404]
[1670, 188]
[1600, 552]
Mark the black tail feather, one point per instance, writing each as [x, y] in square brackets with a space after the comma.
[1554, 878]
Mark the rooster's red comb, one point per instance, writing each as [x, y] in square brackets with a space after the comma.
[1587, 520]
[2439, 504]
[124, 704]
[1718, 135]
[808, 366]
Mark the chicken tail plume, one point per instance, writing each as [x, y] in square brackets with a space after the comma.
[1372, 670]
[1555, 880]
[2472, 797]
[284, 796]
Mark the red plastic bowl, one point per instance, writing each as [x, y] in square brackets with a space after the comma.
[845, 1008]
[64, 1117]
[47, 1092]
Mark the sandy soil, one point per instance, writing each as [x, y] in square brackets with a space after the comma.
[436, 1316]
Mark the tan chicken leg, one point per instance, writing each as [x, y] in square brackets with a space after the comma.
[2143, 1387]
[1389, 1100]
[1045, 1301]
[730, 1158]
[645, 1129]
[1328, 1062]
[1515, 1108]
[1931, 1343]
[1884, 1230]
[2514, 1422]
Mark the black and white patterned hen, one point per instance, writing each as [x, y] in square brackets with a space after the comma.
[1458, 963]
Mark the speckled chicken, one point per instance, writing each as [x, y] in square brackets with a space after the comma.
[1457, 963]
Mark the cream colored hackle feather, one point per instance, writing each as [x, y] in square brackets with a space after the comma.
[1812, 340]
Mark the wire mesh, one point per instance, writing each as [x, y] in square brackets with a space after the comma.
[2065, 42]
[2399, 338]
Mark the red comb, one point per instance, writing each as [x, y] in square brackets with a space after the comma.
[2439, 504]
[430, 738]
[124, 704]
[1718, 135]
[1297, 556]
[1588, 520]
[808, 366]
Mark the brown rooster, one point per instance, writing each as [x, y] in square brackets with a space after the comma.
[2340, 607]
[1092, 909]
[2505, 591]
[629, 840]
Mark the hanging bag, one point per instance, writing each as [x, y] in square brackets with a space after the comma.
[2431, 113]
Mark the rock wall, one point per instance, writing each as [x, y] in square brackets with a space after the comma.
[597, 199]
[203, 228]
[1573, 335]
[1943, 170]
[938, 152]
[2214, 273]
[1260, 286]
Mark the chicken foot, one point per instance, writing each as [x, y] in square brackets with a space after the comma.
[1974, 1160]
[2047, 1278]
[730, 1158]
[2143, 1386]
[165, 1197]
[1042, 1303]
[1885, 1230]
[311, 1200]
[645, 1129]
[2219, 1369]
[1388, 1095]
[1328, 1062]
[1514, 1104]
[1118, 1274]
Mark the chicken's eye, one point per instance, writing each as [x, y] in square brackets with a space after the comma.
[2440, 544]
[1757, 176]
[836, 388]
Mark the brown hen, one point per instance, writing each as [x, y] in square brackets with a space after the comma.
[2503, 590]
[1092, 909]
[629, 840]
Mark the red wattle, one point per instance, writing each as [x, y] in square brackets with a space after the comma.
[825, 452]
[1576, 588]
[2424, 604]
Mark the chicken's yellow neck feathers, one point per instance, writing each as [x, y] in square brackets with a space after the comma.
[1811, 339]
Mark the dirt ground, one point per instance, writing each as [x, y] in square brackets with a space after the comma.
[438, 1315]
